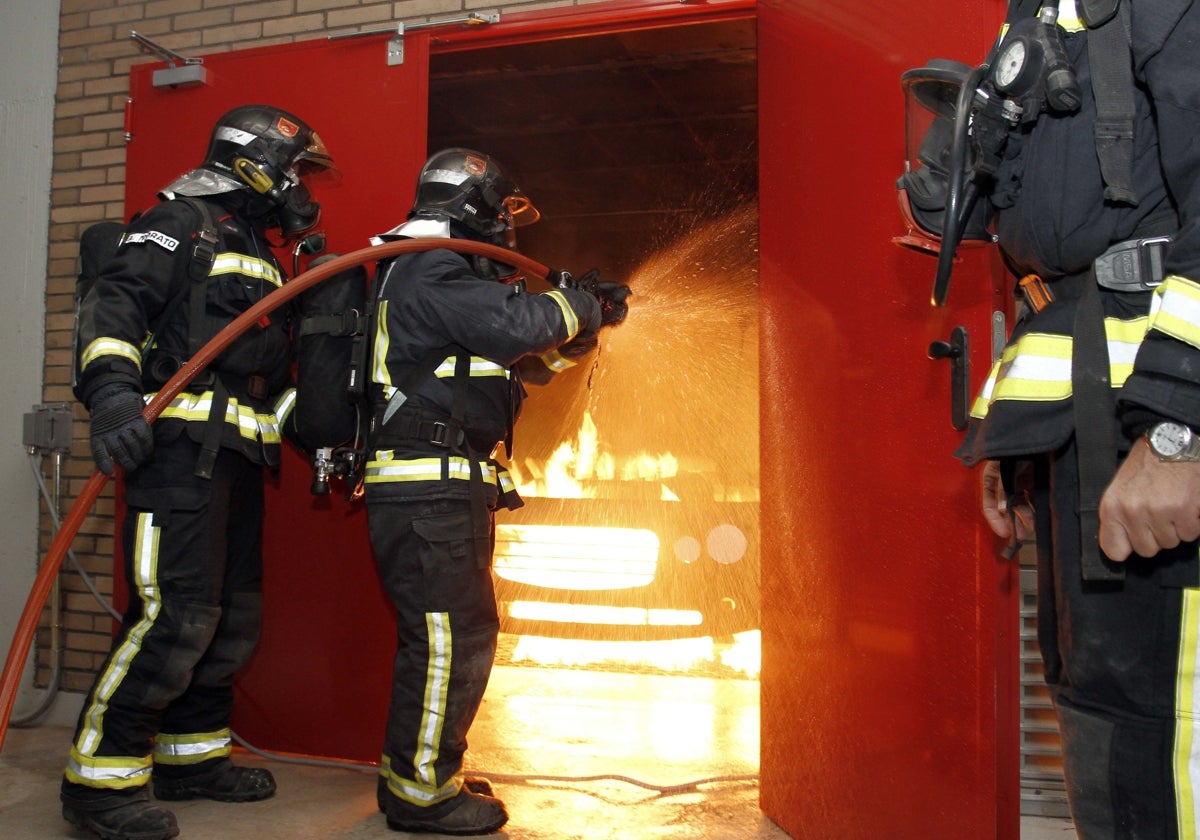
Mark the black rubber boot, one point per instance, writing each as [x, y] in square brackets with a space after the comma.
[119, 816]
[223, 783]
[465, 814]
[475, 784]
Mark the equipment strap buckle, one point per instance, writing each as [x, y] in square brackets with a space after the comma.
[1135, 265]
[440, 436]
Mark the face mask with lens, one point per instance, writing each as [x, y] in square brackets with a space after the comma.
[963, 118]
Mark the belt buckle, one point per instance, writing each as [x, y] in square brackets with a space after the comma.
[440, 432]
[1134, 265]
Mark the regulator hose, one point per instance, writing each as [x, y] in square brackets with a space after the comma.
[27, 625]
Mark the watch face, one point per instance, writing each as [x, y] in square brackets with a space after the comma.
[1168, 440]
[1010, 63]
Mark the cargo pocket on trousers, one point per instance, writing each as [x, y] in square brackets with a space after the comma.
[447, 560]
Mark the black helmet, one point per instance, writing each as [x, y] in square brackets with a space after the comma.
[471, 188]
[265, 150]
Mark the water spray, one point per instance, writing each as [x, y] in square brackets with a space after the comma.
[27, 625]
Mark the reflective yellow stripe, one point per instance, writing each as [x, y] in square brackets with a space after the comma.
[120, 771]
[437, 689]
[1186, 749]
[1177, 310]
[479, 367]
[422, 787]
[284, 406]
[379, 369]
[255, 267]
[569, 316]
[1037, 368]
[102, 347]
[194, 408]
[384, 469]
[414, 792]
[192, 748]
[556, 361]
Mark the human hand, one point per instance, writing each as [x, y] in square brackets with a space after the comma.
[1150, 505]
[995, 507]
[119, 432]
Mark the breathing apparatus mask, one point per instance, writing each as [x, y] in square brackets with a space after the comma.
[957, 121]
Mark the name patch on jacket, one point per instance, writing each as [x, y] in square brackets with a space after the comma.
[154, 236]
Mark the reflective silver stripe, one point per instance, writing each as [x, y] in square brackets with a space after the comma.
[284, 406]
[102, 347]
[145, 581]
[1178, 311]
[379, 368]
[107, 772]
[411, 791]
[437, 684]
[423, 788]
[556, 361]
[194, 408]
[1037, 368]
[192, 748]
[424, 469]
[479, 367]
[231, 263]
[1186, 745]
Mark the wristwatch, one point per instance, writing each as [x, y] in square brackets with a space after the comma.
[1172, 441]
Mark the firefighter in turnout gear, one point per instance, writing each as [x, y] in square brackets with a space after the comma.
[193, 485]
[1086, 426]
[452, 338]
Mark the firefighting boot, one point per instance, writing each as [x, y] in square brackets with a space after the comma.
[466, 814]
[223, 782]
[118, 815]
[475, 784]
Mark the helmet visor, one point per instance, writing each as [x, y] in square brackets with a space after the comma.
[315, 162]
[521, 209]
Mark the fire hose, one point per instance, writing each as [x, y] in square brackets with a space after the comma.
[27, 625]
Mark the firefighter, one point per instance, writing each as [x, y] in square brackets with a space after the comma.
[159, 708]
[1096, 199]
[453, 336]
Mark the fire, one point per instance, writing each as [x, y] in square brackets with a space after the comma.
[667, 550]
[578, 469]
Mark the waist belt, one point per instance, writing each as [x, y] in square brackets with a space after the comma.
[1135, 265]
[444, 434]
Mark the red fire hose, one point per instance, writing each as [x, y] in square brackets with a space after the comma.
[42, 584]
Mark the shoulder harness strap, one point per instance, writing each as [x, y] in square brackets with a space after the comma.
[1108, 23]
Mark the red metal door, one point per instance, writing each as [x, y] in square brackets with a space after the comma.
[887, 702]
[318, 682]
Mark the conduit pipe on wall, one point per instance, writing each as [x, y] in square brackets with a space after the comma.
[27, 626]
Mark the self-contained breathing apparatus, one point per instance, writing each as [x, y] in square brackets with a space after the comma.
[961, 118]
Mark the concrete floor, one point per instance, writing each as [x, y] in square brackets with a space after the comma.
[587, 724]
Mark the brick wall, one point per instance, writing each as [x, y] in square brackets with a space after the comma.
[95, 54]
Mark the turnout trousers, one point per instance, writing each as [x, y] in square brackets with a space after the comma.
[193, 567]
[446, 631]
[1122, 663]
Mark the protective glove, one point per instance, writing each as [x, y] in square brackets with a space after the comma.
[119, 432]
[612, 296]
[613, 308]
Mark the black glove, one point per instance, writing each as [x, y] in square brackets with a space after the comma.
[119, 431]
[613, 307]
[612, 296]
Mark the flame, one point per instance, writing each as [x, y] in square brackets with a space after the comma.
[579, 469]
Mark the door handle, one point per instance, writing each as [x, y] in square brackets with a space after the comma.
[960, 368]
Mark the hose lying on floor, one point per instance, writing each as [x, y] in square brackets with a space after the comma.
[27, 626]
